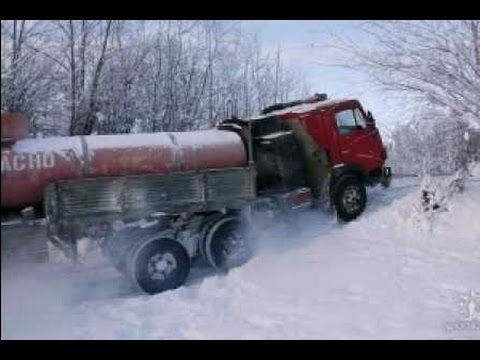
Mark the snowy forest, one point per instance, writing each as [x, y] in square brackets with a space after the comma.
[78, 77]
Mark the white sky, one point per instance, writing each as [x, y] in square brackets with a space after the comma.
[306, 44]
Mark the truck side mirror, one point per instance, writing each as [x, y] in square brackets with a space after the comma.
[370, 119]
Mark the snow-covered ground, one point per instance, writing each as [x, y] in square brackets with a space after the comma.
[390, 274]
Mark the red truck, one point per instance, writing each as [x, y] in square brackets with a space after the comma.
[156, 202]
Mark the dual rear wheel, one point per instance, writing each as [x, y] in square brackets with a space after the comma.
[227, 244]
[160, 264]
[157, 265]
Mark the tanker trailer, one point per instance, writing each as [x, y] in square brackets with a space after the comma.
[29, 165]
[101, 186]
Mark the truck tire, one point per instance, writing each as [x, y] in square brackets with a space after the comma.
[117, 245]
[227, 244]
[349, 197]
[157, 265]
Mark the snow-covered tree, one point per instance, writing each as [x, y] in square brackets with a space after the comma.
[436, 63]
[28, 78]
[104, 76]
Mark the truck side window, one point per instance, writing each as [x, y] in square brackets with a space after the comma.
[346, 121]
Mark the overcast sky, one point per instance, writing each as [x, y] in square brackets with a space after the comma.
[306, 45]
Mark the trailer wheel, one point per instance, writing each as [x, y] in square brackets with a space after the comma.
[158, 265]
[349, 197]
[227, 244]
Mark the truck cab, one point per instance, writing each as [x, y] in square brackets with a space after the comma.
[344, 130]
[327, 146]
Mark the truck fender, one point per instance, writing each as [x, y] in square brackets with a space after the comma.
[339, 170]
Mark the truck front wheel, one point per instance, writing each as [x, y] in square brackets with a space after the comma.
[349, 197]
[157, 265]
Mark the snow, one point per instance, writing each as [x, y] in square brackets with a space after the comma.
[63, 146]
[476, 171]
[165, 139]
[383, 276]
[472, 121]
[67, 147]
[302, 108]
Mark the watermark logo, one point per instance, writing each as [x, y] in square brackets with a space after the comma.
[470, 311]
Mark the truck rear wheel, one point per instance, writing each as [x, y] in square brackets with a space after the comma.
[227, 244]
[158, 265]
[349, 197]
[117, 245]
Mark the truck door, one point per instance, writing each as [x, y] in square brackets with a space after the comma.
[358, 143]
